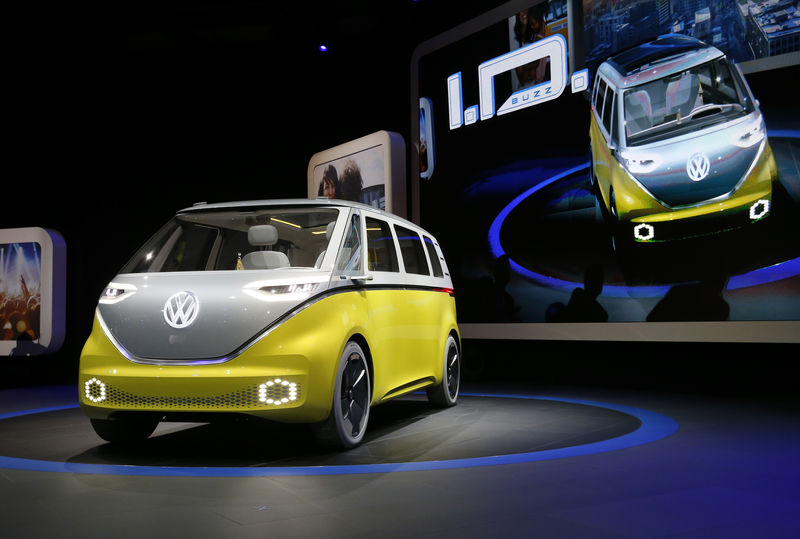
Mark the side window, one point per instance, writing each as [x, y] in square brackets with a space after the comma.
[349, 259]
[600, 97]
[412, 249]
[382, 255]
[608, 109]
[433, 255]
[596, 90]
[612, 131]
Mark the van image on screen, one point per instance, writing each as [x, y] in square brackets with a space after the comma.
[308, 311]
[678, 144]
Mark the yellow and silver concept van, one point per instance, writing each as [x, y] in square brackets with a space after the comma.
[679, 147]
[307, 311]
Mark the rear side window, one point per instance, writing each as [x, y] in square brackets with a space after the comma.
[437, 266]
[380, 244]
[413, 251]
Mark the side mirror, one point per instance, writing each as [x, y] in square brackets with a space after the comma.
[365, 277]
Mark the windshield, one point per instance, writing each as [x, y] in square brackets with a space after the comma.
[238, 239]
[683, 102]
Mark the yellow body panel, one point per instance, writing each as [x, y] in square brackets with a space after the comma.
[636, 205]
[404, 330]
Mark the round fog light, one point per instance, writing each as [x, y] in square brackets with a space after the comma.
[759, 209]
[95, 390]
[644, 232]
[278, 391]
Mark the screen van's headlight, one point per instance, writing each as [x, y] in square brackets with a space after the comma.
[750, 133]
[640, 162]
[116, 292]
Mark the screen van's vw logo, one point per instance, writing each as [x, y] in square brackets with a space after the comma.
[181, 309]
[698, 167]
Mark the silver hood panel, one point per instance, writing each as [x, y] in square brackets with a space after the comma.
[726, 167]
[232, 307]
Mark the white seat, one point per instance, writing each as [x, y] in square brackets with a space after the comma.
[265, 260]
[264, 236]
[328, 232]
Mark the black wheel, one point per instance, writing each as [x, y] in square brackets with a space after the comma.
[349, 415]
[446, 393]
[125, 429]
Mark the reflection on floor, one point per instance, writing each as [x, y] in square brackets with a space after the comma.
[729, 471]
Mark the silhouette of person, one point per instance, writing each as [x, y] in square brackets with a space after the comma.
[503, 303]
[583, 305]
[694, 302]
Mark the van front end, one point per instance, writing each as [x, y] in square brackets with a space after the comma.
[645, 218]
[285, 376]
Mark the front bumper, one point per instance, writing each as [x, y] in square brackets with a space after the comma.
[270, 380]
[645, 220]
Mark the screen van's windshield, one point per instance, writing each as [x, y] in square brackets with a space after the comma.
[238, 239]
[686, 101]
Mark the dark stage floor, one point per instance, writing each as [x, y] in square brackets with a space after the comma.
[536, 462]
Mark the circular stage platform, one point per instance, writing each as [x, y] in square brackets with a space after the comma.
[403, 435]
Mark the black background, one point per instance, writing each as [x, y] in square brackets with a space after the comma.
[114, 118]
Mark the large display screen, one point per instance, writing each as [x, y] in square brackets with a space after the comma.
[20, 294]
[357, 177]
[370, 169]
[603, 170]
[32, 291]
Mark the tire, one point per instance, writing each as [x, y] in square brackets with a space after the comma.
[445, 394]
[125, 429]
[621, 243]
[345, 426]
[612, 207]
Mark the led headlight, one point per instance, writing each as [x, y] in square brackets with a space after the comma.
[266, 291]
[304, 288]
[116, 292]
[752, 132]
[639, 162]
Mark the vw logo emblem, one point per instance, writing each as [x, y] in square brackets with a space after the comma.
[181, 309]
[698, 167]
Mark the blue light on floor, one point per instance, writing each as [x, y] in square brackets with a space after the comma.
[654, 426]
